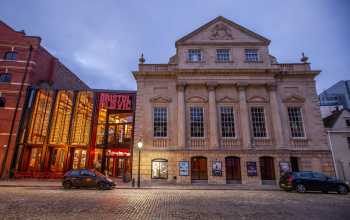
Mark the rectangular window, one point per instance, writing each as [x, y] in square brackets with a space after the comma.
[197, 125]
[348, 142]
[251, 55]
[223, 55]
[227, 121]
[160, 169]
[296, 122]
[194, 55]
[160, 122]
[258, 121]
[347, 121]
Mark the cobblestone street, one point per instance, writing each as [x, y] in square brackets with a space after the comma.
[56, 203]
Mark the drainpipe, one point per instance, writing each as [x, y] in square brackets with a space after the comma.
[331, 145]
[3, 174]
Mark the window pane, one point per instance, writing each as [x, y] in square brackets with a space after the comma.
[38, 129]
[295, 122]
[197, 126]
[160, 169]
[5, 77]
[2, 101]
[222, 54]
[61, 118]
[227, 122]
[258, 121]
[251, 55]
[160, 122]
[82, 118]
[10, 55]
[194, 55]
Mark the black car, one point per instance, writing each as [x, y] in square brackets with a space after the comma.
[86, 178]
[312, 181]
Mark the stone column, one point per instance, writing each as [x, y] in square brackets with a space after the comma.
[276, 117]
[244, 116]
[181, 112]
[213, 122]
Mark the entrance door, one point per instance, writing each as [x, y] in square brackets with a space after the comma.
[199, 169]
[267, 170]
[117, 166]
[295, 164]
[233, 170]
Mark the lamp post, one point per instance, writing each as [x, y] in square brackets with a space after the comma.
[139, 146]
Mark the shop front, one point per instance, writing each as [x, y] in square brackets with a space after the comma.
[64, 130]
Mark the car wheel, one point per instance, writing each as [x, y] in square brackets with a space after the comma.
[101, 186]
[67, 185]
[300, 188]
[341, 189]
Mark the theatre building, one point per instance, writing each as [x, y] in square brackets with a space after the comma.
[66, 129]
[224, 111]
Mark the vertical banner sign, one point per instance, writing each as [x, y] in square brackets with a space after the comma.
[183, 168]
[115, 101]
[251, 168]
[217, 168]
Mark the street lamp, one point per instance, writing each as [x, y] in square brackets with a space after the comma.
[139, 146]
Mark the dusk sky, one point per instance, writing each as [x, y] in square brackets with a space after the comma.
[101, 41]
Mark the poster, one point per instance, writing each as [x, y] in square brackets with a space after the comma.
[251, 168]
[284, 167]
[183, 168]
[217, 168]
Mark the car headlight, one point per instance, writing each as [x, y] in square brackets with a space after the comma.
[109, 180]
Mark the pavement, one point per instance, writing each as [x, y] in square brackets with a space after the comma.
[51, 203]
[121, 185]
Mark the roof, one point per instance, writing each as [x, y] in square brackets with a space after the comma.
[329, 121]
[229, 22]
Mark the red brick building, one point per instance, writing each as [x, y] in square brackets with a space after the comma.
[24, 63]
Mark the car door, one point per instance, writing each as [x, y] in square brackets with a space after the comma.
[88, 178]
[319, 182]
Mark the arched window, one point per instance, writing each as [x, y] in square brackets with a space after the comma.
[2, 101]
[5, 77]
[159, 169]
[10, 55]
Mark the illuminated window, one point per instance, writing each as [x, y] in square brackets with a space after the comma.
[258, 121]
[160, 124]
[197, 124]
[227, 121]
[119, 128]
[38, 130]
[61, 118]
[101, 126]
[296, 122]
[10, 55]
[82, 119]
[34, 159]
[159, 169]
[79, 159]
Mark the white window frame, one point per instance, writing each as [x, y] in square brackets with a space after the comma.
[190, 122]
[200, 57]
[167, 121]
[223, 61]
[251, 60]
[265, 121]
[234, 121]
[302, 120]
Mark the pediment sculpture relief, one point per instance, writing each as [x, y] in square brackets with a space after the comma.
[227, 99]
[160, 99]
[294, 99]
[258, 99]
[221, 32]
[196, 99]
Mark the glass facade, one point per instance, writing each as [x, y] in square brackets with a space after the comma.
[67, 130]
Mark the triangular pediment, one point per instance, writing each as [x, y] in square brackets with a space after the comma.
[227, 99]
[294, 99]
[258, 99]
[222, 30]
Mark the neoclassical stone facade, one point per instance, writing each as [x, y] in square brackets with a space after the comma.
[223, 110]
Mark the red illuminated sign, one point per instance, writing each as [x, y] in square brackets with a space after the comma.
[115, 101]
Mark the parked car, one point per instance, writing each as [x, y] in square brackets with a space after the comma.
[312, 181]
[88, 178]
